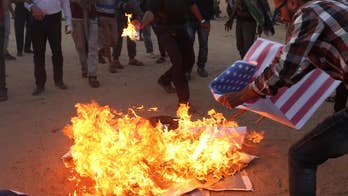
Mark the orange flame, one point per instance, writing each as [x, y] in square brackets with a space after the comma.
[130, 31]
[255, 137]
[123, 154]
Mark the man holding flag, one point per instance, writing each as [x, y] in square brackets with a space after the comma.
[317, 38]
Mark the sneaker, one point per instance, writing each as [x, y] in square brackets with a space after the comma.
[151, 55]
[38, 90]
[93, 82]
[169, 88]
[3, 95]
[135, 62]
[202, 72]
[61, 85]
[161, 60]
[9, 57]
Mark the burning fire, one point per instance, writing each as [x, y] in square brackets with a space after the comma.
[124, 154]
[130, 31]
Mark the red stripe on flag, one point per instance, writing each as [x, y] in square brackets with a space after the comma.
[252, 50]
[318, 93]
[278, 95]
[265, 52]
[300, 91]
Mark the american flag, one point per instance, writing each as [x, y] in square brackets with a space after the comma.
[290, 106]
[233, 79]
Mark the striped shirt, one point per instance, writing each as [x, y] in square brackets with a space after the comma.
[317, 37]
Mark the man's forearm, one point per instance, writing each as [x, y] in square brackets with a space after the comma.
[195, 11]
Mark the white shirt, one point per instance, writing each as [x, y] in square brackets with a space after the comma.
[52, 7]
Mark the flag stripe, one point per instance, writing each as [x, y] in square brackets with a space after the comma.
[278, 95]
[299, 92]
[301, 101]
[319, 92]
[261, 60]
[253, 48]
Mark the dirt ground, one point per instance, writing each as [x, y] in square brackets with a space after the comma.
[31, 142]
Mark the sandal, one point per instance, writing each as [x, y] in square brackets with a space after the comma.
[112, 68]
[118, 64]
[93, 82]
[135, 62]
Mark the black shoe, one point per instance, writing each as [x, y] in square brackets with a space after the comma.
[84, 75]
[38, 91]
[61, 85]
[161, 60]
[9, 57]
[202, 72]
[93, 82]
[19, 54]
[3, 95]
[169, 88]
[101, 60]
[28, 51]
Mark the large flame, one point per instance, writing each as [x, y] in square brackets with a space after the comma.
[131, 30]
[124, 154]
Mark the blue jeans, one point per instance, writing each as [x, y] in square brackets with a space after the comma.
[203, 35]
[327, 140]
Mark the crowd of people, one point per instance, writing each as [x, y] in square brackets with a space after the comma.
[96, 28]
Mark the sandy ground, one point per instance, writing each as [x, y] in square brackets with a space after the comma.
[31, 144]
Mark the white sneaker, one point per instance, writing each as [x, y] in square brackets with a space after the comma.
[151, 55]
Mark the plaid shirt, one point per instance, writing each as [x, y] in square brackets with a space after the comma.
[318, 37]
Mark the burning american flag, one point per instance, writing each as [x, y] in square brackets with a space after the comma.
[124, 154]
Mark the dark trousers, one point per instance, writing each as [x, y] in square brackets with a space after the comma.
[328, 140]
[245, 35]
[49, 30]
[2, 62]
[341, 97]
[22, 21]
[203, 35]
[131, 45]
[147, 39]
[178, 45]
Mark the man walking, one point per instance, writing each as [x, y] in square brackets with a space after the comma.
[317, 38]
[47, 15]
[170, 17]
[206, 7]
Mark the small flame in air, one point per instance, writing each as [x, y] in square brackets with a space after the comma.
[130, 31]
[124, 154]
